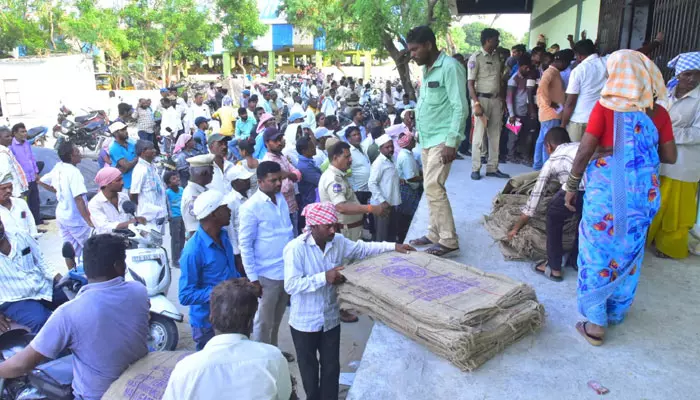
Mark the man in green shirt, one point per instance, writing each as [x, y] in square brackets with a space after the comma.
[440, 118]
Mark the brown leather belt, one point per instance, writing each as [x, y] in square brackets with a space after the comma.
[339, 227]
[486, 95]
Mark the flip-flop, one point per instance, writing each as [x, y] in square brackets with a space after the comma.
[548, 275]
[421, 241]
[537, 264]
[593, 340]
[440, 250]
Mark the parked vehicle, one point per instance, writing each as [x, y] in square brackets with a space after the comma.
[87, 130]
[147, 263]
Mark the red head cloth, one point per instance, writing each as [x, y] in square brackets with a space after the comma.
[320, 214]
[107, 175]
[405, 139]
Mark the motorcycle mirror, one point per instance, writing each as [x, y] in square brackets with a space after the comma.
[129, 207]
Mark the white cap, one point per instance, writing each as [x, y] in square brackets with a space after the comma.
[238, 172]
[116, 126]
[207, 202]
[382, 140]
[202, 160]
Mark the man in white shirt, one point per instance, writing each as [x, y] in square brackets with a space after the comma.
[26, 282]
[68, 183]
[411, 181]
[312, 265]
[201, 174]
[106, 207]
[384, 185]
[240, 185]
[14, 211]
[147, 188]
[296, 107]
[8, 162]
[360, 165]
[198, 109]
[265, 228]
[218, 146]
[231, 365]
[585, 84]
[329, 106]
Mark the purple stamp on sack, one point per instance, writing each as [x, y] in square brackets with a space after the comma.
[404, 271]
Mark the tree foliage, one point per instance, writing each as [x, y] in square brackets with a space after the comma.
[472, 40]
[33, 24]
[369, 24]
[241, 25]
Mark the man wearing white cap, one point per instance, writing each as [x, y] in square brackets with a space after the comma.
[206, 261]
[240, 183]
[14, 211]
[218, 146]
[201, 173]
[122, 152]
[384, 185]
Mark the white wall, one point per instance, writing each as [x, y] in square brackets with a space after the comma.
[46, 83]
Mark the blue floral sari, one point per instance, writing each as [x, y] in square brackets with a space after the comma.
[622, 197]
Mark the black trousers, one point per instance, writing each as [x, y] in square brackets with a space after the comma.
[327, 344]
[363, 198]
[557, 216]
[33, 201]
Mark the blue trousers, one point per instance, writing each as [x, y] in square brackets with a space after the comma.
[201, 336]
[541, 155]
[33, 313]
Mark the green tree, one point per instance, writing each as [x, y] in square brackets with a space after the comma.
[473, 37]
[101, 28]
[34, 24]
[370, 24]
[168, 32]
[241, 26]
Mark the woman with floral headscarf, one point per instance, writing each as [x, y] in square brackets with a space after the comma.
[626, 138]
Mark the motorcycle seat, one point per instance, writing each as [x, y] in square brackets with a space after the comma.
[37, 131]
[54, 378]
[92, 126]
[82, 118]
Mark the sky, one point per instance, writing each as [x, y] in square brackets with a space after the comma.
[517, 24]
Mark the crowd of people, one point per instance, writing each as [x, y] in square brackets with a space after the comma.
[266, 208]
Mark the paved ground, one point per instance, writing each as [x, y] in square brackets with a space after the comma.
[653, 355]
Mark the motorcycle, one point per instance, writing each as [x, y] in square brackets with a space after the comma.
[86, 131]
[147, 263]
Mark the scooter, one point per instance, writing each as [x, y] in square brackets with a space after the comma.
[147, 263]
[35, 136]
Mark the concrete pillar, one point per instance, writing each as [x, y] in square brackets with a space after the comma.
[271, 65]
[293, 60]
[319, 60]
[280, 60]
[101, 64]
[368, 65]
[210, 61]
[256, 60]
[226, 58]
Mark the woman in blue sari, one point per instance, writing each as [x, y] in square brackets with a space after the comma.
[626, 138]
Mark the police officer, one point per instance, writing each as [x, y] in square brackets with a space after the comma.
[484, 79]
[334, 187]
[201, 174]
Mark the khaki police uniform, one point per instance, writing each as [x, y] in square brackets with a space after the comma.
[334, 187]
[486, 70]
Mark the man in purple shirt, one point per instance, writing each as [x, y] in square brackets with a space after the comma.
[105, 326]
[22, 150]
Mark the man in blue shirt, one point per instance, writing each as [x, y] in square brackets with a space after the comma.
[206, 261]
[310, 174]
[123, 152]
[264, 229]
[200, 135]
[244, 125]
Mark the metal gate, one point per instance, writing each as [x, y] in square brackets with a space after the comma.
[680, 21]
[610, 24]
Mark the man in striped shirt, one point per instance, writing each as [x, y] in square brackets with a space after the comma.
[312, 265]
[147, 189]
[27, 296]
[562, 153]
